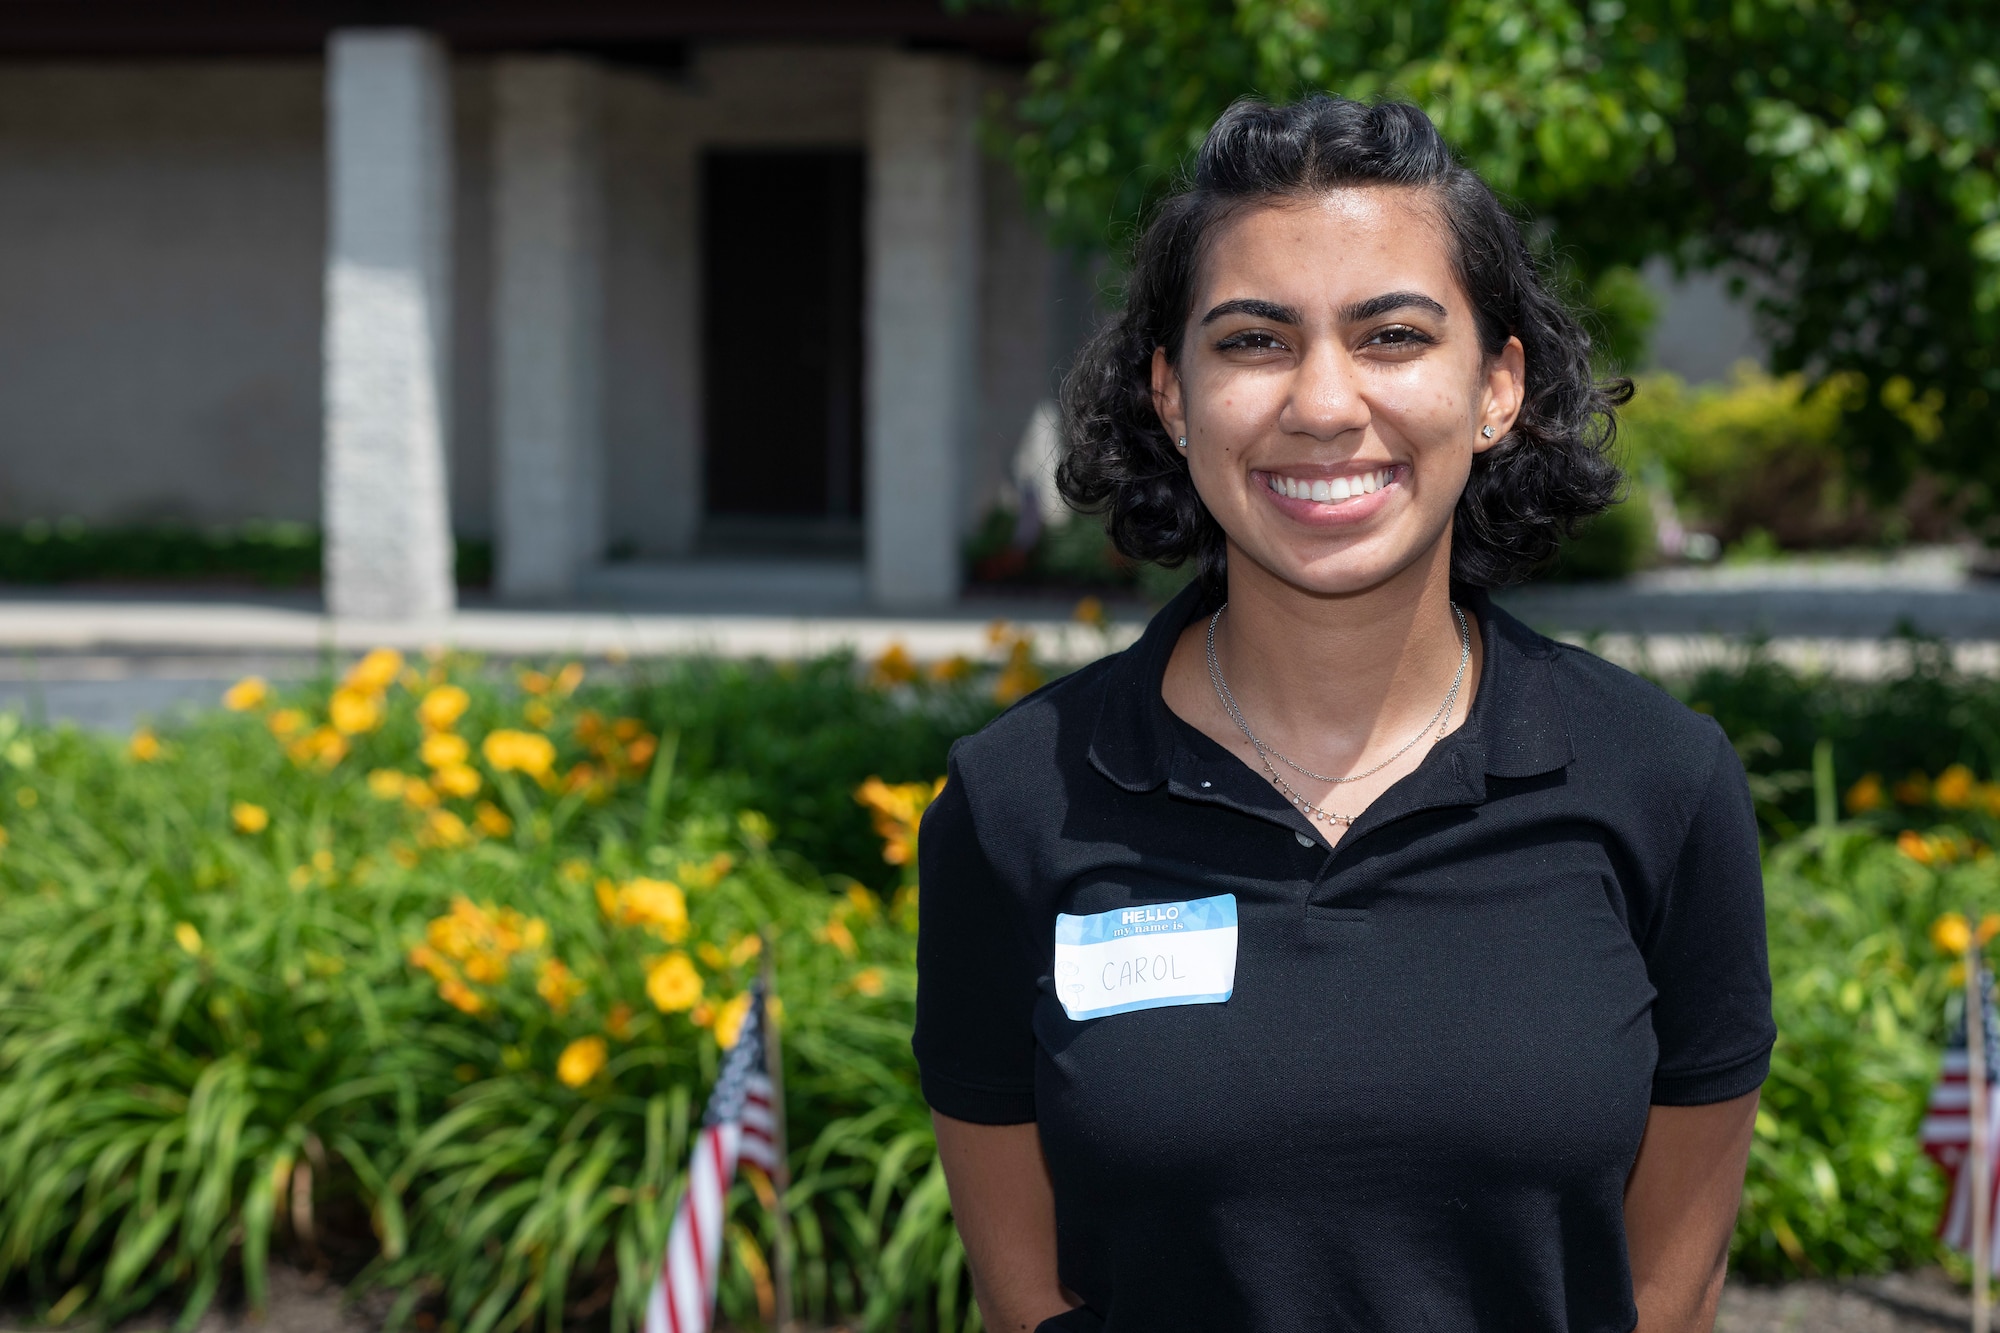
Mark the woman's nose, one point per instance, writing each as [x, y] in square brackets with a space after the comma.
[1325, 400]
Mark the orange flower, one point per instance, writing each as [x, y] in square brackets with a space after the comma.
[869, 981]
[567, 679]
[1915, 846]
[557, 985]
[898, 810]
[442, 828]
[895, 666]
[956, 667]
[1913, 790]
[619, 1021]
[1019, 675]
[533, 682]
[1865, 795]
[286, 722]
[1954, 787]
[249, 818]
[581, 1061]
[657, 904]
[492, 820]
[419, 794]
[322, 745]
[144, 747]
[245, 694]
[1090, 611]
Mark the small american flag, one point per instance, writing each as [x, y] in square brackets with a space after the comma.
[1947, 1132]
[738, 1127]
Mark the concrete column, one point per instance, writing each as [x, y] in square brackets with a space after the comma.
[923, 322]
[548, 312]
[387, 342]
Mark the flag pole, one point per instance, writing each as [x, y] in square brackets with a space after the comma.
[781, 1179]
[1979, 1147]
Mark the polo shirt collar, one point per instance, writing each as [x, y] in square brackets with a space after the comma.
[1516, 728]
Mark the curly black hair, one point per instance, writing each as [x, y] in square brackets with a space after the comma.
[1525, 494]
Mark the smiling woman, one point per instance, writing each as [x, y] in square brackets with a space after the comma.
[1344, 954]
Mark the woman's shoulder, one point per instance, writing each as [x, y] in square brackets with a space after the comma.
[1043, 728]
[1620, 720]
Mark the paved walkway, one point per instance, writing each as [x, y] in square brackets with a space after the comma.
[106, 657]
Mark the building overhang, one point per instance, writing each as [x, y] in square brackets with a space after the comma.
[642, 29]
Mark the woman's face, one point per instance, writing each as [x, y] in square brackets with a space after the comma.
[1331, 387]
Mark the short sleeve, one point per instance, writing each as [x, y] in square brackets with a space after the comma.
[976, 974]
[1706, 952]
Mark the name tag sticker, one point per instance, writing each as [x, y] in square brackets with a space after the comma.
[1146, 957]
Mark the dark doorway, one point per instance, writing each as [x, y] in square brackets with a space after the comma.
[781, 347]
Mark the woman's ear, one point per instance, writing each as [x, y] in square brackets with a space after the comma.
[1167, 395]
[1506, 388]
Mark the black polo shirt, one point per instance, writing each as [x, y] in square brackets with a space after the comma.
[1419, 1105]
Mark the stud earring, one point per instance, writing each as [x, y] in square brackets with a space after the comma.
[1183, 442]
[1487, 431]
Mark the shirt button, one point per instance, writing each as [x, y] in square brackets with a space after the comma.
[1305, 839]
[1206, 783]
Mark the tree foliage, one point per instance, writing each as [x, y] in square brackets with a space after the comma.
[1839, 155]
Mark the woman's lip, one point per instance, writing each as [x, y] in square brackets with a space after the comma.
[1324, 514]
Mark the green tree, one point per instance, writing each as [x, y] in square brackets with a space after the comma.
[1842, 153]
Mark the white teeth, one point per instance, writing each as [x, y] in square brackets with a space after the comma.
[1334, 490]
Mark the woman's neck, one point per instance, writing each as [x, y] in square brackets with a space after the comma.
[1338, 676]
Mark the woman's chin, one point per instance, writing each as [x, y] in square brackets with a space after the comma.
[1353, 569]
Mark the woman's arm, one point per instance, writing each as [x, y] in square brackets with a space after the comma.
[1006, 1212]
[1680, 1209]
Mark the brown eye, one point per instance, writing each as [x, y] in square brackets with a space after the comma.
[1253, 340]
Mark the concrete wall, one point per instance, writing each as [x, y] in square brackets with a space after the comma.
[161, 249]
[162, 235]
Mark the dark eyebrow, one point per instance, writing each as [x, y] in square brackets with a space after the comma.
[1271, 310]
[1375, 306]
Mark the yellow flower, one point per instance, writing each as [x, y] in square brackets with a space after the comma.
[567, 679]
[895, 666]
[322, 861]
[1954, 786]
[714, 957]
[188, 938]
[557, 985]
[419, 795]
[375, 672]
[672, 984]
[386, 784]
[864, 903]
[573, 871]
[956, 667]
[442, 828]
[249, 818]
[534, 682]
[460, 996]
[1090, 611]
[354, 711]
[1913, 790]
[322, 745]
[729, 1020]
[492, 820]
[1951, 934]
[656, 903]
[1865, 795]
[442, 749]
[1989, 926]
[745, 949]
[756, 827]
[245, 694]
[144, 747]
[1916, 846]
[581, 1061]
[286, 722]
[519, 752]
[1019, 676]
[457, 780]
[538, 714]
[443, 707]
[869, 981]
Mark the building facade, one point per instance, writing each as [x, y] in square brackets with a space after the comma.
[618, 287]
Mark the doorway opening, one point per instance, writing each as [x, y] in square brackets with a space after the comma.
[780, 340]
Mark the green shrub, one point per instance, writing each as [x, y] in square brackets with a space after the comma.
[276, 554]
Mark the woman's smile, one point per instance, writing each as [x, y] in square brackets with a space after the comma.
[1324, 497]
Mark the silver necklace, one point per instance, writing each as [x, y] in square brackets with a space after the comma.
[1439, 721]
